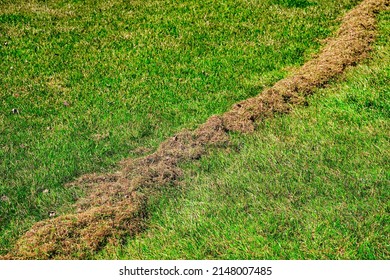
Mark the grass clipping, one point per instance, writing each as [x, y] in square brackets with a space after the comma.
[115, 205]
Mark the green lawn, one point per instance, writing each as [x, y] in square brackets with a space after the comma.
[93, 82]
[310, 185]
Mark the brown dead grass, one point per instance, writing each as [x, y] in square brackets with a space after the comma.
[351, 44]
[37, 8]
[78, 236]
[115, 203]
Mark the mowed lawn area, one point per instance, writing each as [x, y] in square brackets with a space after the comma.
[310, 185]
[84, 84]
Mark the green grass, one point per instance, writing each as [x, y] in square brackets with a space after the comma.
[94, 81]
[310, 185]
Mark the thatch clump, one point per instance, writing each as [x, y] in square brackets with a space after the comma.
[114, 206]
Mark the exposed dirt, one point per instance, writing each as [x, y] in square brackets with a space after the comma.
[115, 203]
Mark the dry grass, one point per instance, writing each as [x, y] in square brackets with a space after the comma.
[114, 206]
[351, 45]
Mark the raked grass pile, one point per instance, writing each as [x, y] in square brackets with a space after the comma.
[313, 184]
[95, 235]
